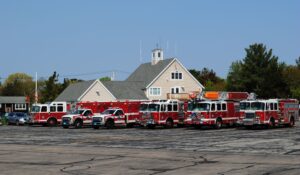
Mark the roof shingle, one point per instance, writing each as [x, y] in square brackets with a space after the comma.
[74, 91]
[147, 72]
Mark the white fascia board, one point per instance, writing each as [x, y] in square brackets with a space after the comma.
[175, 59]
[160, 73]
[95, 82]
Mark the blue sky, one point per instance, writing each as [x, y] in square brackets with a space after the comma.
[94, 37]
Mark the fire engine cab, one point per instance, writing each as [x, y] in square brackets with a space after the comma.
[86, 111]
[215, 109]
[48, 114]
[165, 113]
[270, 113]
[110, 118]
[77, 118]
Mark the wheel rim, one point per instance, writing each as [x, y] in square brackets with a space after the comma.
[292, 122]
[219, 124]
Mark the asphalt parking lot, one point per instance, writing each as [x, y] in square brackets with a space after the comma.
[44, 150]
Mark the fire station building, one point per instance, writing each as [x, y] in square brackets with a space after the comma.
[159, 79]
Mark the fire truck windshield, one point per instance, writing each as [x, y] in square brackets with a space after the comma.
[78, 111]
[35, 109]
[258, 106]
[199, 107]
[144, 107]
[108, 111]
[153, 107]
[245, 106]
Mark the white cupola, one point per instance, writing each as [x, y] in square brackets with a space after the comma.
[157, 55]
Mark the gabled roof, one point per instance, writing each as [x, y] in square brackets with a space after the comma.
[126, 90]
[12, 99]
[74, 91]
[147, 72]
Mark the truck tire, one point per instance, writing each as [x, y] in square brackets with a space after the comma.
[150, 126]
[169, 123]
[218, 124]
[130, 125]
[272, 123]
[292, 122]
[96, 127]
[51, 122]
[78, 124]
[110, 124]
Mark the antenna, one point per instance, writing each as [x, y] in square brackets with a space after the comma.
[167, 48]
[36, 93]
[175, 49]
[141, 60]
[113, 76]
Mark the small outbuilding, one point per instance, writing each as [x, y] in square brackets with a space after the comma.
[13, 104]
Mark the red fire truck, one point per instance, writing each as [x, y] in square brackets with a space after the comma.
[270, 113]
[165, 113]
[118, 114]
[216, 109]
[48, 114]
[83, 113]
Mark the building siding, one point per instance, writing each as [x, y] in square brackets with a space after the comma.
[97, 93]
[165, 82]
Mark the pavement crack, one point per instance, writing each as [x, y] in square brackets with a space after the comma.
[236, 169]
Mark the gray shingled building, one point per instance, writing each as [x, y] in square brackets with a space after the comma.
[13, 104]
[158, 79]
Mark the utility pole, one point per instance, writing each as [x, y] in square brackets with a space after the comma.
[36, 92]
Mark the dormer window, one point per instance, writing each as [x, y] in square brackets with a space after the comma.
[176, 75]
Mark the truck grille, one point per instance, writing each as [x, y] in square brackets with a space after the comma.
[66, 121]
[250, 115]
[97, 119]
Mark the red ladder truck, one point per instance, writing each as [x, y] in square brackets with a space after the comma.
[216, 109]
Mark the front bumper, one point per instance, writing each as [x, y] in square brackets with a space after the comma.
[147, 122]
[98, 122]
[250, 122]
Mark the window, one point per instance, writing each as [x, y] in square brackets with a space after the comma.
[176, 75]
[158, 54]
[155, 92]
[213, 107]
[175, 107]
[219, 107]
[60, 108]
[20, 106]
[44, 109]
[175, 90]
[52, 108]
[271, 106]
[224, 107]
[169, 108]
[275, 106]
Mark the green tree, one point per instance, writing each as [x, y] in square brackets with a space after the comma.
[209, 79]
[298, 63]
[51, 89]
[105, 79]
[258, 72]
[18, 84]
[291, 74]
[234, 81]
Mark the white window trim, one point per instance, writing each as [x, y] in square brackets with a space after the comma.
[160, 91]
[178, 76]
[18, 106]
[179, 87]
